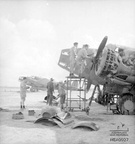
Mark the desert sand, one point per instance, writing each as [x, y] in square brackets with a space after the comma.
[25, 131]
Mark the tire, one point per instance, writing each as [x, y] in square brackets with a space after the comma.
[127, 104]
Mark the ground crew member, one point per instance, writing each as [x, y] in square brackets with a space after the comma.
[23, 89]
[131, 60]
[72, 55]
[127, 60]
[50, 90]
[81, 57]
[62, 94]
[122, 56]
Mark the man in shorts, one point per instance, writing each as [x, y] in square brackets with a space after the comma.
[23, 89]
[50, 90]
[62, 94]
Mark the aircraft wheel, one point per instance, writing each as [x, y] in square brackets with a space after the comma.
[127, 104]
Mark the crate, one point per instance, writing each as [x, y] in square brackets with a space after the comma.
[31, 112]
[18, 116]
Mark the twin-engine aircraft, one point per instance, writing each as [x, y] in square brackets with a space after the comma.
[113, 66]
[37, 83]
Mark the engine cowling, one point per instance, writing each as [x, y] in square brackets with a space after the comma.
[109, 63]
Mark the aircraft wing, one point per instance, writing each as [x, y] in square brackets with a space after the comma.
[34, 82]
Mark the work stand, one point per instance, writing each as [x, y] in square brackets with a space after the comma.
[78, 100]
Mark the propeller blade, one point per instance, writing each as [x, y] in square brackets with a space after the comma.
[101, 47]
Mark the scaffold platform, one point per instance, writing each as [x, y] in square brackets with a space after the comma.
[76, 101]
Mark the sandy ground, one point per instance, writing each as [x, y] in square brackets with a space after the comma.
[25, 131]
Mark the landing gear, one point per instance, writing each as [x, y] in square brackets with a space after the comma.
[127, 104]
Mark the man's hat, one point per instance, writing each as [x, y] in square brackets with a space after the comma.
[75, 43]
[86, 45]
[22, 78]
[51, 79]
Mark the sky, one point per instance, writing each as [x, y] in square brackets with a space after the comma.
[33, 33]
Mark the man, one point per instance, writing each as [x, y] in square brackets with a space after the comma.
[50, 90]
[23, 89]
[62, 94]
[81, 57]
[131, 60]
[123, 57]
[72, 54]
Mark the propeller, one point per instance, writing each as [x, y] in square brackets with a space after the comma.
[100, 49]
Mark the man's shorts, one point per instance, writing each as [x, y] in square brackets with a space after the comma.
[23, 96]
[62, 98]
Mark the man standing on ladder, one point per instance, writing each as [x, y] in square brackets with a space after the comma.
[81, 58]
[72, 54]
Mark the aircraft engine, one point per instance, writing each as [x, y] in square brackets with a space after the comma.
[106, 63]
[110, 65]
